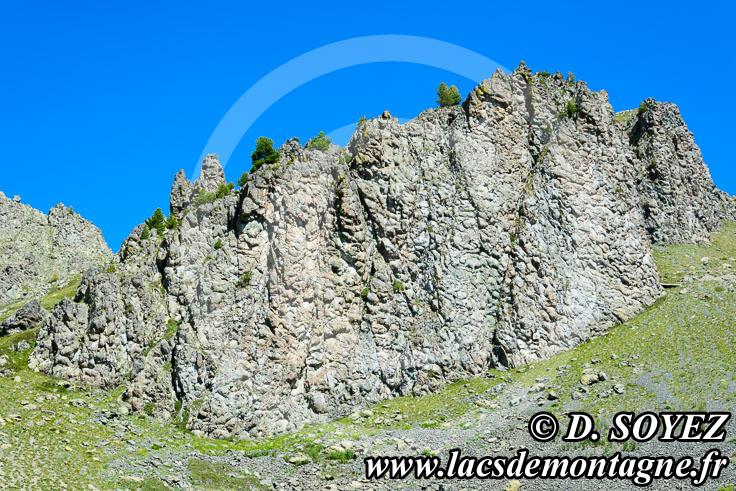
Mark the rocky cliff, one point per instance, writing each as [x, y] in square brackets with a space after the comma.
[495, 233]
[41, 252]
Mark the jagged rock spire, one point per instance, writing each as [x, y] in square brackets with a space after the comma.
[181, 194]
[211, 175]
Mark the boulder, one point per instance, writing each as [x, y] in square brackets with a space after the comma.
[27, 317]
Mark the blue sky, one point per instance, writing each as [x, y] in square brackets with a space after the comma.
[102, 104]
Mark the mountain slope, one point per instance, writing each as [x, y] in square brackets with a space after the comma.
[41, 253]
[493, 234]
[677, 355]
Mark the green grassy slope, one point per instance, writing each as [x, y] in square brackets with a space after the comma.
[48, 301]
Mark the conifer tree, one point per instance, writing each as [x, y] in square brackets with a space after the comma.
[448, 96]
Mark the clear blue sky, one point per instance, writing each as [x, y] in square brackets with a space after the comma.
[101, 105]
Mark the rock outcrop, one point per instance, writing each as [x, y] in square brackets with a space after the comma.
[27, 317]
[39, 252]
[491, 234]
[677, 196]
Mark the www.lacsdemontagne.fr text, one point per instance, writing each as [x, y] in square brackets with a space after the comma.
[640, 470]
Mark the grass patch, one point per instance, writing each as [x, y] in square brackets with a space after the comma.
[313, 450]
[51, 386]
[343, 456]
[204, 197]
[674, 262]
[49, 301]
[211, 475]
[429, 411]
[254, 454]
[244, 279]
[9, 309]
[624, 117]
[171, 328]
[148, 484]
[17, 360]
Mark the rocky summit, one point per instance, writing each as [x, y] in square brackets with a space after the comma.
[491, 234]
[41, 253]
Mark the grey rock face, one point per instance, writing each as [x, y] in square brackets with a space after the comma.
[27, 317]
[41, 252]
[499, 232]
[181, 193]
[677, 196]
[211, 176]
